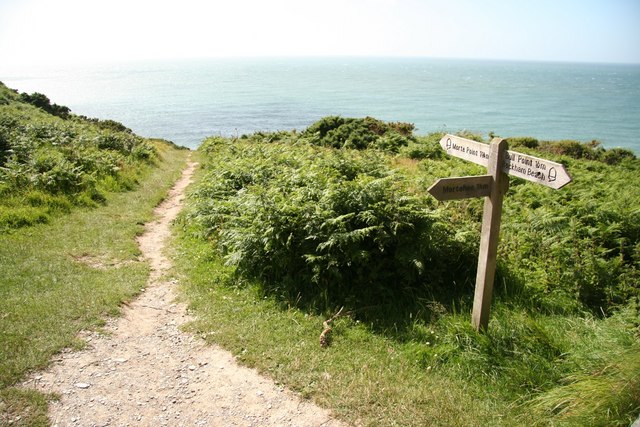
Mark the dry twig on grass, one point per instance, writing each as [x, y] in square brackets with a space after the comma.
[325, 336]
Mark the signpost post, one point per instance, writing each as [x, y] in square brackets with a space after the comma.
[500, 163]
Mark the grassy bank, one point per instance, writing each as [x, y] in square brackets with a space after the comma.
[388, 379]
[284, 229]
[52, 161]
[69, 274]
[365, 378]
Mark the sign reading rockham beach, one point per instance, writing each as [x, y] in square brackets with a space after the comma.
[499, 162]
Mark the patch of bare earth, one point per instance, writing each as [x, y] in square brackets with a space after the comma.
[145, 371]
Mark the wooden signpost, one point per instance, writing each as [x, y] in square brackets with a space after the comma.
[500, 163]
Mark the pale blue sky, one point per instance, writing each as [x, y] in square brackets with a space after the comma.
[45, 31]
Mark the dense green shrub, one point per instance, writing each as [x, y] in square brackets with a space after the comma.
[107, 124]
[578, 245]
[525, 141]
[269, 136]
[22, 216]
[574, 149]
[577, 150]
[339, 132]
[42, 101]
[56, 174]
[425, 147]
[323, 226]
[615, 156]
[4, 146]
[566, 251]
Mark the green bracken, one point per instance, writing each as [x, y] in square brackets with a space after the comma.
[282, 230]
[51, 160]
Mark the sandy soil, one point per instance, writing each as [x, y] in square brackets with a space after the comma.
[143, 370]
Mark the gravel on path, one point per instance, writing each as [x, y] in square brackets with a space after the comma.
[143, 370]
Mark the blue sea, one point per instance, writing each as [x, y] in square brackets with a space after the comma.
[185, 101]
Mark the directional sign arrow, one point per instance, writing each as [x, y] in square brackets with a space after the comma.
[461, 187]
[467, 149]
[534, 169]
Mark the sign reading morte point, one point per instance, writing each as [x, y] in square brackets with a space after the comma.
[499, 162]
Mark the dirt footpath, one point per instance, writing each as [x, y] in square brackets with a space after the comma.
[145, 371]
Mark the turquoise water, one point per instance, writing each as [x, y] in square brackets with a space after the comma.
[188, 100]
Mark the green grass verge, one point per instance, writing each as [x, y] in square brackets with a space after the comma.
[527, 370]
[68, 275]
[363, 377]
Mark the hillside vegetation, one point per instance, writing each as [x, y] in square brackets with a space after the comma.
[285, 228]
[52, 160]
[74, 193]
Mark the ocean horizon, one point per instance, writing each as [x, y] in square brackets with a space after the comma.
[185, 101]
